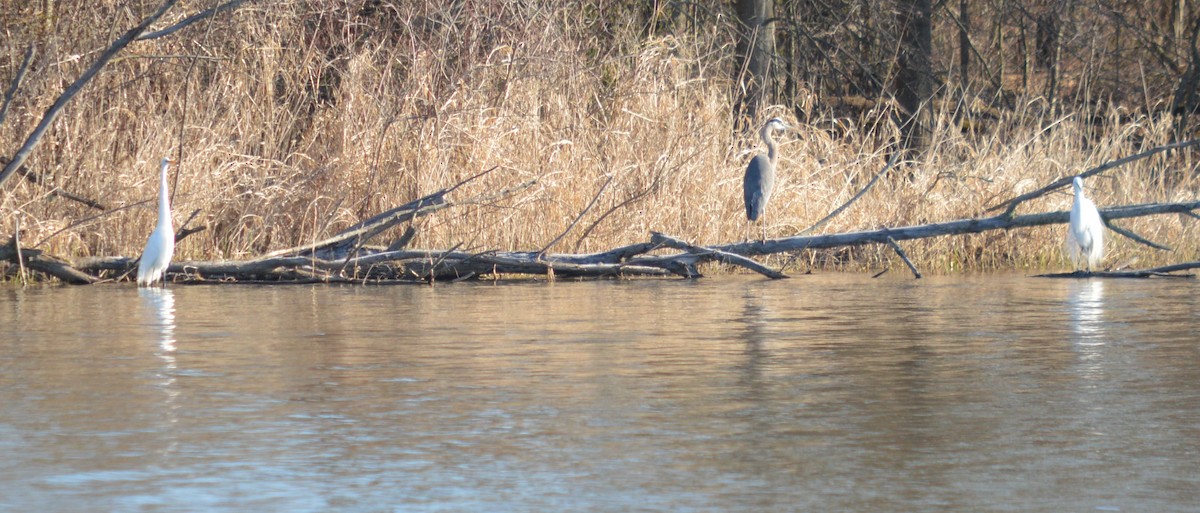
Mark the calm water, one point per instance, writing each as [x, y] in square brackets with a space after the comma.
[820, 393]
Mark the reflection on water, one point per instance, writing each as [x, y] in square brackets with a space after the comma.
[158, 312]
[1086, 302]
[822, 393]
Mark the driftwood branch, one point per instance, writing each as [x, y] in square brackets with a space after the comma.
[53, 112]
[900, 251]
[355, 236]
[1129, 234]
[35, 260]
[1166, 271]
[959, 227]
[715, 254]
[184, 231]
[418, 266]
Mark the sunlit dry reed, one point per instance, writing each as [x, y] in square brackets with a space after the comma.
[298, 122]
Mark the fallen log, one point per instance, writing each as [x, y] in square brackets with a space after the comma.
[958, 227]
[350, 240]
[417, 266]
[1166, 271]
[716, 254]
[36, 260]
[404, 265]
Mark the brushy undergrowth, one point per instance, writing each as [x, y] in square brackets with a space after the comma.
[297, 119]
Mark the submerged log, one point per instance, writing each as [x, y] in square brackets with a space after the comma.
[1166, 271]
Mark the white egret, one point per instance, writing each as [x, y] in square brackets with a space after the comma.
[759, 181]
[161, 245]
[1085, 239]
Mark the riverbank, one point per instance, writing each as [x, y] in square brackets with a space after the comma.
[290, 132]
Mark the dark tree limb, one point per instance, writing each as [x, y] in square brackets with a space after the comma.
[1135, 237]
[959, 227]
[340, 245]
[1166, 271]
[35, 260]
[16, 83]
[900, 251]
[405, 238]
[184, 231]
[716, 254]
[88, 220]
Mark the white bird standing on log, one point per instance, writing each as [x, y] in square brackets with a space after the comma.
[759, 181]
[161, 245]
[1085, 239]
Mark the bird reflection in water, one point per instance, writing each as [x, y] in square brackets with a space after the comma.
[159, 304]
[1086, 306]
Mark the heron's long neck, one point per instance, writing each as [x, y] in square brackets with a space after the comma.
[164, 199]
[771, 150]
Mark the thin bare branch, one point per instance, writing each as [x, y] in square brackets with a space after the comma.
[190, 20]
[1135, 237]
[53, 112]
[16, 83]
[583, 212]
[35, 179]
[1066, 180]
[891, 162]
[900, 251]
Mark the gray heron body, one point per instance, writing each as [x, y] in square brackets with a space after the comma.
[759, 181]
[1085, 238]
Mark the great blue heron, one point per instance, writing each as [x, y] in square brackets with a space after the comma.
[1086, 236]
[161, 245]
[760, 176]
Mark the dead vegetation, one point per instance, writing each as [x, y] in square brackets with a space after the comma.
[293, 121]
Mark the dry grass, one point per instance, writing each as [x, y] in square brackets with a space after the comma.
[295, 122]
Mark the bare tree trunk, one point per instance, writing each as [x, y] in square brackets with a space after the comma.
[756, 46]
[914, 81]
[964, 42]
[1185, 103]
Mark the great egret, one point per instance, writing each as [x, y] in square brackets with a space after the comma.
[1086, 236]
[161, 245]
[760, 176]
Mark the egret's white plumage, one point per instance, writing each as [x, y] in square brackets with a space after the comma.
[759, 181]
[161, 245]
[1085, 239]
